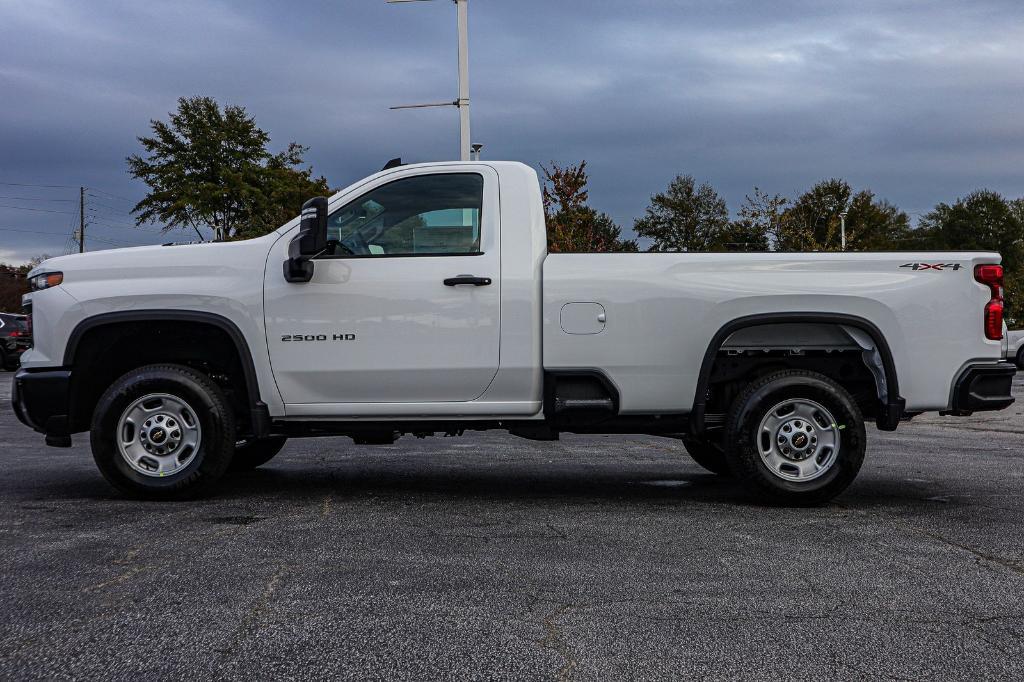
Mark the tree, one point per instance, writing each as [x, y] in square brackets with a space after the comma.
[762, 215]
[209, 166]
[572, 225]
[287, 185]
[14, 284]
[813, 222]
[875, 225]
[981, 221]
[685, 217]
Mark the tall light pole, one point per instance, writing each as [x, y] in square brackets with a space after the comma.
[462, 21]
[842, 229]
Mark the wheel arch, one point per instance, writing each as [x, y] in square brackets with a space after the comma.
[891, 404]
[258, 411]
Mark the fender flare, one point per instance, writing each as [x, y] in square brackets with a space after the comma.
[890, 412]
[258, 409]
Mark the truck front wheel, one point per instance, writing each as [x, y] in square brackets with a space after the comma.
[162, 432]
[795, 437]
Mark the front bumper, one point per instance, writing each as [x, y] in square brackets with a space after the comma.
[981, 388]
[42, 399]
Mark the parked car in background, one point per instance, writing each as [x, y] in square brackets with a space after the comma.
[15, 339]
[1015, 349]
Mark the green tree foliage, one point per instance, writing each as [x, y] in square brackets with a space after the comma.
[208, 166]
[762, 215]
[572, 225]
[875, 225]
[981, 221]
[685, 217]
[813, 222]
[286, 186]
[14, 284]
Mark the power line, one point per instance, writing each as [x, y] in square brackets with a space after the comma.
[96, 203]
[40, 210]
[137, 228]
[25, 184]
[36, 199]
[112, 196]
[106, 214]
[18, 229]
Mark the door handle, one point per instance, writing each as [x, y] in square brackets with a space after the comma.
[467, 279]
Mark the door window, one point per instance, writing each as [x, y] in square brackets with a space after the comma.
[425, 215]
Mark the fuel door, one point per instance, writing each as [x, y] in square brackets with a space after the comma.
[582, 318]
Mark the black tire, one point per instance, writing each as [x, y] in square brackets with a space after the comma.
[708, 455]
[3, 360]
[212, 412]
[743, 441]
[1020, 358]
[253, 453]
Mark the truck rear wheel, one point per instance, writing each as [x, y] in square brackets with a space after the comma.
[253, 453]
[795, 437]
[163, 432]
[708, 455]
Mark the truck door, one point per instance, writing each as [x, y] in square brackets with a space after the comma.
[403, 306]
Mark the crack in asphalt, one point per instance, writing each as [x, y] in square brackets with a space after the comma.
[249, 624]
[554, 640]
[127, 560]
[1013, 566]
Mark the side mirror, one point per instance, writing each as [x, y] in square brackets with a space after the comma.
[309, 242]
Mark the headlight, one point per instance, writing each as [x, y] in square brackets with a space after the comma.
[46, 280]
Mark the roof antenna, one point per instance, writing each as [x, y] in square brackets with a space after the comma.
[393, 163]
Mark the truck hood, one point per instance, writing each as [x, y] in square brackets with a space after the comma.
[161, 261]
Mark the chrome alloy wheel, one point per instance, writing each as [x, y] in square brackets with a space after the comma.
[158, 435]
[798, 440]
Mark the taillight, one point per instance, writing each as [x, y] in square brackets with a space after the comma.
[28, 318]
[992, 277]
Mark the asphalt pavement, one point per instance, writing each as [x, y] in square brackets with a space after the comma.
[491, 557]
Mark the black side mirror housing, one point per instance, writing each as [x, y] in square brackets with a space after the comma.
[309, 242]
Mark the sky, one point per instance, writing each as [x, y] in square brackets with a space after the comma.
[920, 101]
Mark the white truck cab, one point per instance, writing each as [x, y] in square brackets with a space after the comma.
[422, 300]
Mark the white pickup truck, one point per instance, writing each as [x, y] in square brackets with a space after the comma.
[1015, 346]
[422, 300]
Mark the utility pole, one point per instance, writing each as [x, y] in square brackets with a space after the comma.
[81, 220]
[462, 12]
[842, 229]
[462, 21]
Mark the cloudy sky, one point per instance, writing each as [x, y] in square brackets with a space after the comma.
[920, 101]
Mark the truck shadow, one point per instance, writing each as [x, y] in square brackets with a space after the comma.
[480, 483]
[567, 483]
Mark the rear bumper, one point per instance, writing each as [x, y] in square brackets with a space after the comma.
[41, 400]
[981, 388]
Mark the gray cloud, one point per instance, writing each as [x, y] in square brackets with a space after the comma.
[920, 101]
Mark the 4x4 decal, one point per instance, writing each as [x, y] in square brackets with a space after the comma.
[932, 266]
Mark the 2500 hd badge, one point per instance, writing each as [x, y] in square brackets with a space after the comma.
[318, 337]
